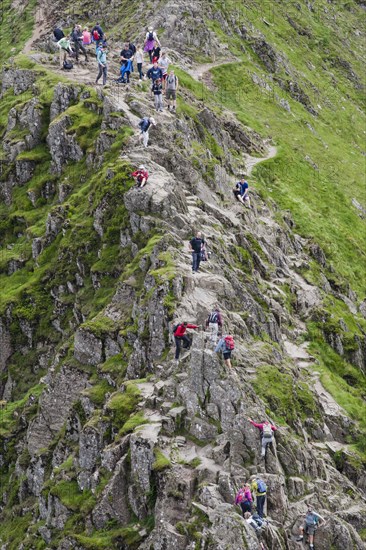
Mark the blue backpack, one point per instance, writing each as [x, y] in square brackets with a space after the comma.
[261, 486]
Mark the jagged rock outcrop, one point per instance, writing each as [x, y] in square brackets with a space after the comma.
[63, 145]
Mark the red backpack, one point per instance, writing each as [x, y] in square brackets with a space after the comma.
[96, 35]
[229, 343]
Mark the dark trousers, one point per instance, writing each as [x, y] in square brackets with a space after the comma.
[150, 52]
[139, 68]
[196, 260]
[102, 71]
[260, 504]
[79, 47]
[246, 506]
[178, 343]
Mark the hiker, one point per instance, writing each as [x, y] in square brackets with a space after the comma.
[181, 336]
[267, 430]
[144, 126]
[195, 247]
[259, 489]
[141, 176]
[163, 63]
[139, 56]
[97, 34]
[65, 48]
[214, 323]
[126, 70]
[58, 33]
[151, 38]
[311, 523]
[241, 192]
[102, 64]
[155, 72]
[226, 345]
[171, 87]
[205, 255]
[156, 53]
[157, 90]
[244, 498]
[77, 38]
[126, 58]
[87, 37]
[256, 523]
[131, 46]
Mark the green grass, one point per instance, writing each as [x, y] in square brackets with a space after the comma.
[122, 405]
[162, 462]
[133, 422]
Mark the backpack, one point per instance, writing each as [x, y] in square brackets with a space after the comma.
[96, 35]
[151, 36]
[261, 486]
[212, 318]
[311, 520]
[267, 431]
[240, 496]
[68, 66]
[175, 328]
[229, 343]
[144, 124]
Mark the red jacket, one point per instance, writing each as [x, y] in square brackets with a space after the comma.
[182, 329]
[140, 174]
[260, 426]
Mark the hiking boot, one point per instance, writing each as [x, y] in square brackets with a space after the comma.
[300, 538]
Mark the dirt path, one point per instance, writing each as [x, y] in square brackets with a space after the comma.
[251, 162]
[199, 71]
[41, 24]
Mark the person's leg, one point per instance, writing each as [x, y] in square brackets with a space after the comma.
[61, 58]
[145, 138]
[139, 68]
[260, 505]
[104, 75]
[311, 541]
[128, 76]
[247, 201]
[156, 102]
[187, 341]
[215, 332]
[84, 50]
[150, 55]
[194, 261]
[161, 102]
[301, 533]
[178, 345]
[198, 261]
[99, 73]
[264, 445]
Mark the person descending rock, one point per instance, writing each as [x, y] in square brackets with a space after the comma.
[155, 72]
[196, 245]
[267, 430]
[171, 87]
[181, 336]
[226, 345]
[244, 498]
[241, 192]
[97, 34]
[102, 64]
[77, 38]
[126, 58]
[214, 324]
[141, 176]
[65, 49]
[87, 37]
[58, 33]
[139, 57]
[259, 489]
[163, 63]
[156, 52]
[256, 523]
[151, 38]
[311, 523]
[157, 90]
[144, 126]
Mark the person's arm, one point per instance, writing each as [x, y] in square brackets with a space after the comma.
[274, 428]
[192, 326]
[219, 320]
[319, 517]
[219, 346]
[260, 426]
[190, 246]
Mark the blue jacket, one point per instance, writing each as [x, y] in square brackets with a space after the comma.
[101, 57]
[128, 67]
[242, 187]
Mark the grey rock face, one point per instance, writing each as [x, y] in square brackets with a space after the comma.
[88, 348]
[63, 146]
[64, 96]
[20, 80]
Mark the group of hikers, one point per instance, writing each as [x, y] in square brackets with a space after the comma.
[163, 81]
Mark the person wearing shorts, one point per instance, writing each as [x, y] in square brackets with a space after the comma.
[171, 87]
[221, 346]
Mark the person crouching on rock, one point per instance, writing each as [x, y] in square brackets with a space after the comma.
[181, 336]
[141, 175]
[241, 192]
[244, 498]
[267, 430]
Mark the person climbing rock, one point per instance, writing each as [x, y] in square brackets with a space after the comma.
[77, 38]
[144, 126]
[259, 489]
[156, 52]
[150, 39]
[102, 64]
[171, 88]
[310, 525]
[180, 337]
[195, 247]
[241, 192]
[267, 430]
[65, 49]
[139, 56]
[155, 72]
[97, 33]
[226, 345]
[214, 324]
[157, 90]
[244, 498]
[58, 33]
[141, 176]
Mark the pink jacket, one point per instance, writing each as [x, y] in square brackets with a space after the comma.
[247, 495]
[260, 426]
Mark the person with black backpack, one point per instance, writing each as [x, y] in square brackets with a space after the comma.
[151, 38]
[180, 337]
[214, 324]
[144, 126]
[266, 429]
[226, 345]
[259, 489]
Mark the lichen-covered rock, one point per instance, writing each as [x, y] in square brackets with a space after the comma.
[20, 80]
[88, 349]
[63, 146]
[64, 96]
